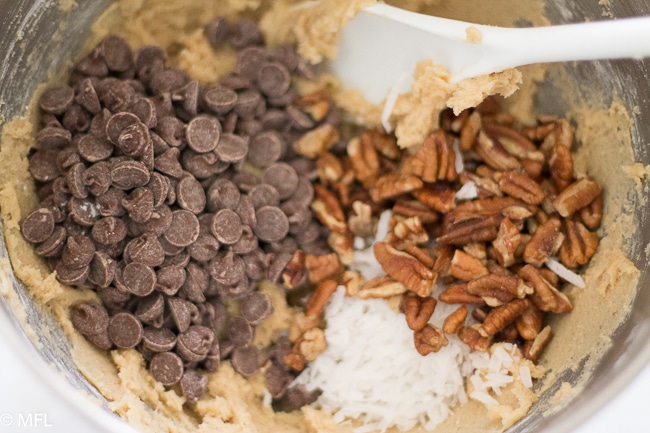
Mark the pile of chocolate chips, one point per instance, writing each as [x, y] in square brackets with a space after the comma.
[173, 198]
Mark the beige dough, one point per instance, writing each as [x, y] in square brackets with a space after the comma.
[233, 404]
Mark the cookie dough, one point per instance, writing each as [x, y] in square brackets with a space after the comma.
[233, 404]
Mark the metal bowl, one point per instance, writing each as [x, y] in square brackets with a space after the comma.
[34, 46]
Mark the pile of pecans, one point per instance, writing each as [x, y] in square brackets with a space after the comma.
[479, 208]
[173, 199]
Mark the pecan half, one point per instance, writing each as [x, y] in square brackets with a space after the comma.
[545, 242]
[499, 317]
[465, 267]
[455, 321]
[360, 222]
[592, 214]
[473, 338]
[506, 243]
[439, 196]
[498, 289]
[405, 232]
[342, 244]
[330, 169]
[311, 344]
[434, 160]
[468, 132]
[328, 210]
[405, 268]
[294, 272]
[530, 323]
[364, 159]
[579, 244]
[418, 310]
[392, 185]
[352, 281]
[381, 287]
[317, 141]
[457, 294]
[429, 340]
[494, 154]
[557, 149]
[319, 297]
[321, 267]
[479, 229]
[413, 208]
[532, 349]
[386, 144]
[521, 186]
[487, 187]
[545, 296]
[576, 196]
[513, 142]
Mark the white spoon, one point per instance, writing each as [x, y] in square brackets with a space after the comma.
[382, 44]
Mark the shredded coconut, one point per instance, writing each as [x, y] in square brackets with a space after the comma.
[469, 191]
[564, 273]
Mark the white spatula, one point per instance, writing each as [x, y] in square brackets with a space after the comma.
[383, 43]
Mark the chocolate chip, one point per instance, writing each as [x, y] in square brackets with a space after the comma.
[175, 256]
[148, 60]
[76, 119]
[283, 178]
[117, 123]
[129, 174]
[277, 262]
[245, 32]
[139, 204]
[83, 211]
[113, 297]
[167, 81]
[202, 165]
[219, 99]
[125, 330]
[250, 60]
[247, 102]
[273, 79]
[265, 149]
[170, 279]
[217, 32]
[166, 368]
[134, 139]
[167, 163]
[139, 279]
[145, 110]
[247, 242]
[97, 178]
[117, 54]
[54, 244]
[227, 268]
[245, 360]
[93, 149]
[231, 148]
[195, 343]
[42, 165]
[296, 397]
[71, 276]
[226, 226]
[264, 195]
[101, 340]
[204, 249]
[277, 380]
[222, 194]
[52, 137]
[145, 249]
[193, 386]
[255, 307]
[158, 340]
[159, 187]
[38, 225]
[304, 192]
[190, 195]
[93, 64]
[159, 222]
[183, 230]
[150, 310]
[202, 133]
[56, 100]
[255, 264]
[102, 270]
[188, 97]
[299, 119]
[240, 331]
[78, 252]
[196, 282]
[87, 96]
[287, 55]
[275, 119]
[272, 224]
[183, 312]
[110, 203]
[89, 318]
[109, 230]
[213, 360]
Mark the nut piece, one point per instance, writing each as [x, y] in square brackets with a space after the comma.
[361, 222]
[311, 344]
[579, 246]
[342, 244]
[405, 268]
[473, 338]
[457, 294]
[392, 185]
[407, 232]
[434, 160]
[506, 243]
[522, 187]
[319, 297]
[352, 281]
[545, 242]
[465, 267]
[418, 310]
[429, 340]
[545, 296]
[364, 159]
[438, 196]
[294, 272]
[532, 349]
[502, 316]
[455, 321]
[381, 287]
[317, 141]
[412, 208]
[322, 267]
[530, 323]
[328, 210]
[576, 196]
[502, 288]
